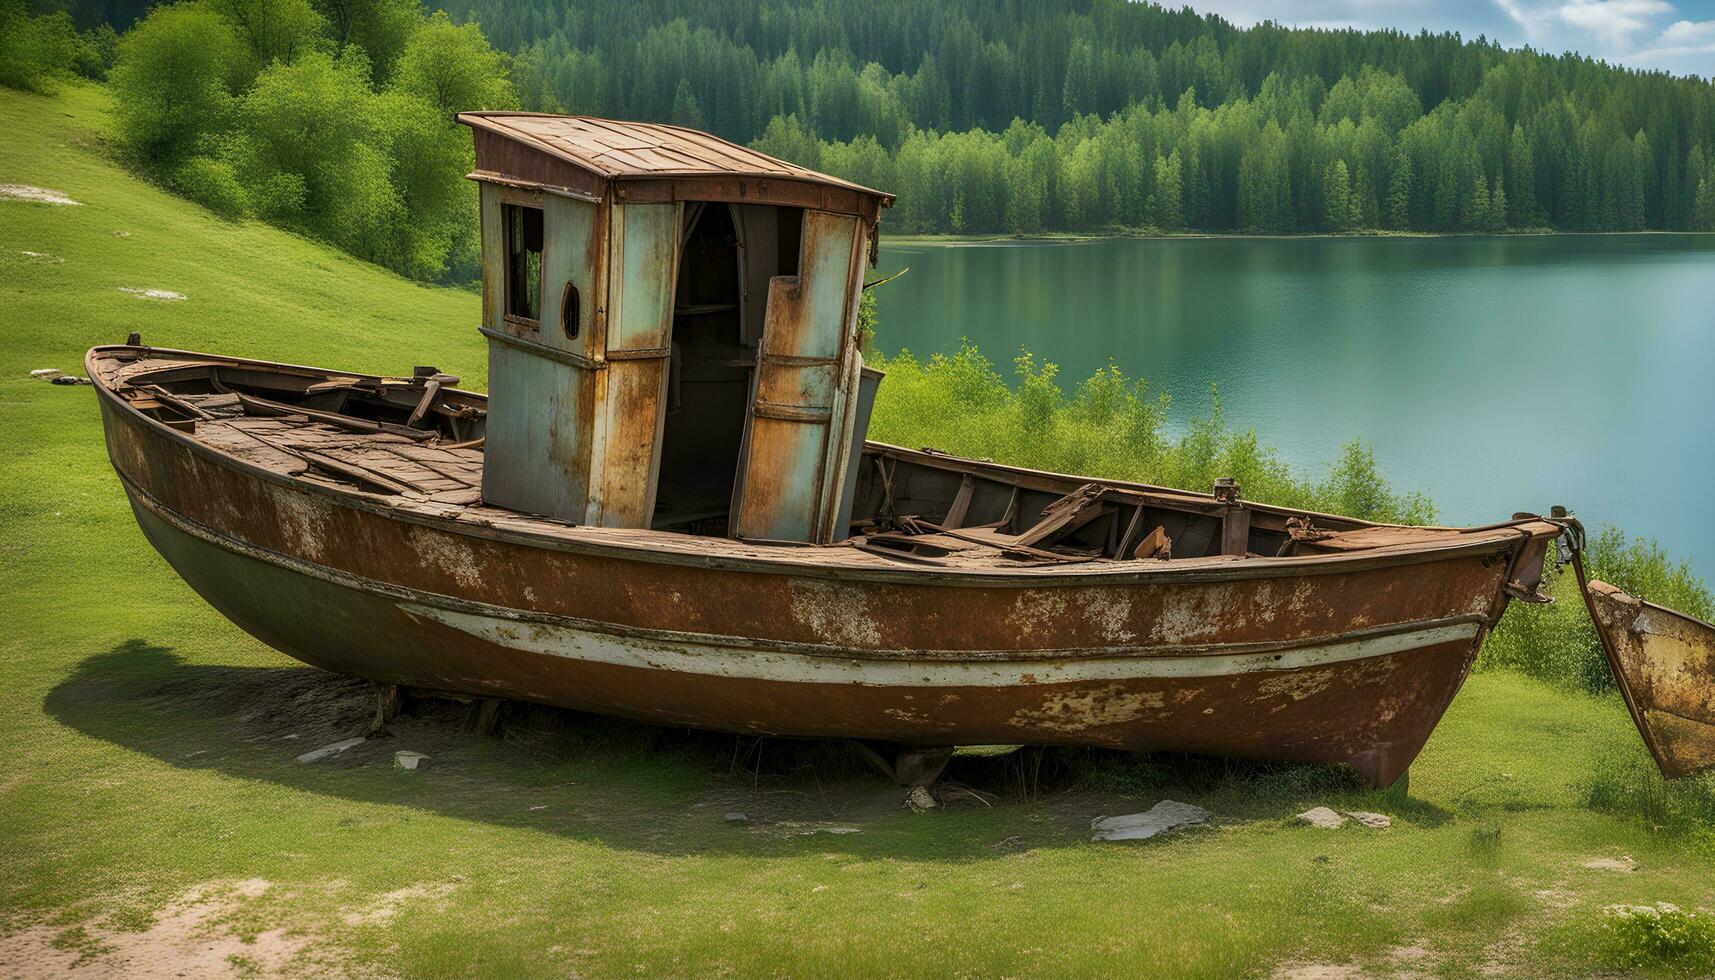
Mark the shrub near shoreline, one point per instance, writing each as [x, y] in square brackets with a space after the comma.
[1110, 425]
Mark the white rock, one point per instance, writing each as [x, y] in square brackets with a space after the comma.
[1376, 820]
[40, 195]
[736, 817]
[328, 751]
[920, 799]
[406, 759]
[46, 374]
[1321, 817]
[1162, 818]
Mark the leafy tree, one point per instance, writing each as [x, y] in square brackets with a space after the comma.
[379, 27]
[173, 83]
[35, 52]
[273, 30]
[453, 68]
[788, 139]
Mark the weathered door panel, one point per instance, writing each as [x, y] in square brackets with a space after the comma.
[493, 257]
[536, 457]
[573, 273]
[798, 423]
[644, 239]
[542, 388]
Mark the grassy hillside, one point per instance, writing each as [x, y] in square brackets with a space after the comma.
[151, 813]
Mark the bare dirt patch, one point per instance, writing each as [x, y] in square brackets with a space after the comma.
[190, 938]
[1624, 862]
[38, 195]
[387, 907]
[163, 294]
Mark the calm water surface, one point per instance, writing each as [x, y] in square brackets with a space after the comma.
[1494, 374]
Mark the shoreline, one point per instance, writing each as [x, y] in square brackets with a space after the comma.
[1074, 238]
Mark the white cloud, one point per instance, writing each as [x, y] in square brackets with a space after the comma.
[1532, 25]
[1687, 33]
[1617, 22]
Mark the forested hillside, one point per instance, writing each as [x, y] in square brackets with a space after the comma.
[1086, 114]
[333, 116]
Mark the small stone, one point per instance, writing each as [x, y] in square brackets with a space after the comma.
[736, 817]
[1162, 818]
[1321, 817]
[1376, 820]
[920, 799]
[46, 374]
[406, 759]
[328, 751]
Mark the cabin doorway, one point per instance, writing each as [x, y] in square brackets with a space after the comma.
[708, 377]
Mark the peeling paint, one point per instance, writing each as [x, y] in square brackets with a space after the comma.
[1077, 711]
[837, 613]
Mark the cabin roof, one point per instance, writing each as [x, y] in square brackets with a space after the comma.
[615, 150]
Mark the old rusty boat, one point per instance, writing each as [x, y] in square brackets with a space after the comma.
[666, 507]
[1664, 662]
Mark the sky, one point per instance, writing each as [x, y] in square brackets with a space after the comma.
[1672, 35]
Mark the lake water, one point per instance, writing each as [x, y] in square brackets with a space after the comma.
[1494, 374]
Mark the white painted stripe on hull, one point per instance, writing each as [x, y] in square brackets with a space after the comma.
[772, 665]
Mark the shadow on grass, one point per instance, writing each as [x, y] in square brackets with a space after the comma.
[649, 787]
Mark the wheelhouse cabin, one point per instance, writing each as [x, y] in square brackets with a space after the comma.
[672, 329]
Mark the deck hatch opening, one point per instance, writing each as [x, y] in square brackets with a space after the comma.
[523, 262]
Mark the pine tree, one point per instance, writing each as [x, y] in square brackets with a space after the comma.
[686, 112]
[1475, 211]
[1704, 219]
[1496, 219]
[1446, 198]
[1169, 192]
[1338, 211]
[1399, 195]
[1521, 173]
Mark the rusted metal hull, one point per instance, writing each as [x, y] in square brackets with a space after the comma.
[1664, 662]
[1333, 659]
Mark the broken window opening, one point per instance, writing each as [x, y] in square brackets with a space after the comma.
[524, 262]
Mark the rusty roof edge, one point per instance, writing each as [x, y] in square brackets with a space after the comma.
[492, 122]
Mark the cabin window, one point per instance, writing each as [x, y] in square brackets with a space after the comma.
[569, 303]
[523, 262]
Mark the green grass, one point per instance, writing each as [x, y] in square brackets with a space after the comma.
[143, 748]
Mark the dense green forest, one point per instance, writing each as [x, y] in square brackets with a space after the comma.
[984, 117]
[1087, 114]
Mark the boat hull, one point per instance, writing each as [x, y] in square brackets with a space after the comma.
[1337, 660]
[1664, 662]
